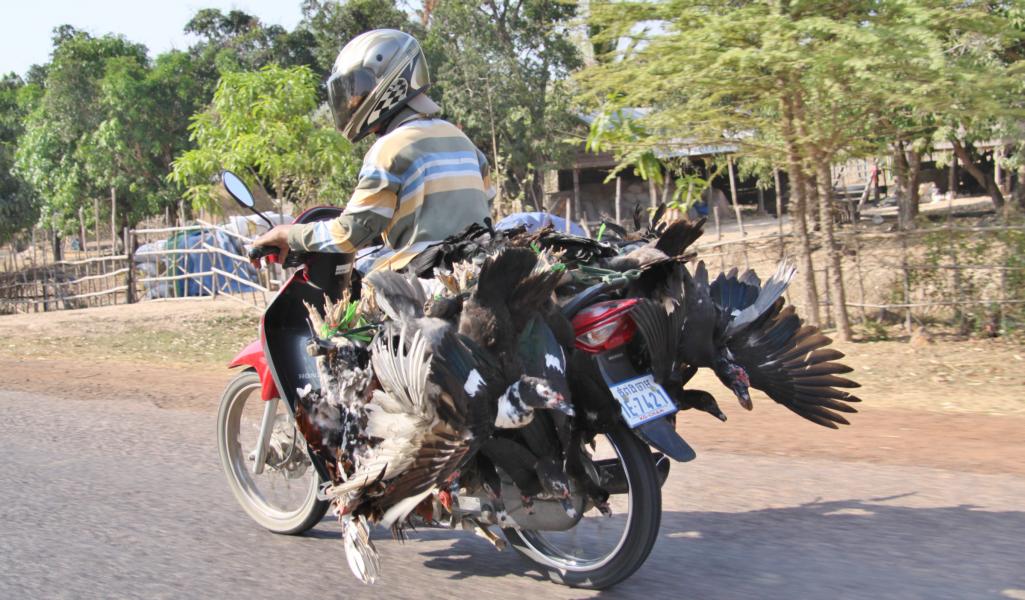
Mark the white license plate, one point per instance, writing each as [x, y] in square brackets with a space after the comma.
[642, 400]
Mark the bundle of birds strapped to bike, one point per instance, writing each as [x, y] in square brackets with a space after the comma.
[469, 389]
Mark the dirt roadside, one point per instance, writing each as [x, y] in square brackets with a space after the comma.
[950, 405]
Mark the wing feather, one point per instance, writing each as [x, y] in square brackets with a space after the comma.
[789, 362]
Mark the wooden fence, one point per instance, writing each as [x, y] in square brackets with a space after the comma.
[948, 272]
[163, 263]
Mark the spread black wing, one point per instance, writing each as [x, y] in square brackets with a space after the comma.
[789, 361]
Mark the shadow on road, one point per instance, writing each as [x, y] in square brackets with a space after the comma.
[869, 548]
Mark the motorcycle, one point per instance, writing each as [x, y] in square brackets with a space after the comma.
[280, 483]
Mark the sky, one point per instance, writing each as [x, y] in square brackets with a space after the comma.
[26, 25]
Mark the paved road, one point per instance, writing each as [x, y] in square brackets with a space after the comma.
[125, 500]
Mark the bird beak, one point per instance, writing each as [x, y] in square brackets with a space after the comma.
[743, 395]
[559, 403]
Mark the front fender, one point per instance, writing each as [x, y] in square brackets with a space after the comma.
[252, 356]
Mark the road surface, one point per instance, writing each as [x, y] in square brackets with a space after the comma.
[120, 499]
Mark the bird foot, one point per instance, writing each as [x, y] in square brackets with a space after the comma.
[485, 532]
[528, 504]
[604, 508]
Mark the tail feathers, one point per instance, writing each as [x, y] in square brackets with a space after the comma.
[745, 299]
[400, 298]
[360, 552]
[679, 236]
[514, 276]
[504, 271]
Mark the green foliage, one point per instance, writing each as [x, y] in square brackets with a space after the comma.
[331, 25]
[875, 330]
[975, 280]
[852, 75]
[500, 69]
[264, 120]
[57, 151]
[18, 204]
[237, 41]
[106, 117]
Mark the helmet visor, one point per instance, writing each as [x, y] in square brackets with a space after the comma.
[346, 92]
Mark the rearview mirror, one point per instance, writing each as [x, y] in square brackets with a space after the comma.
[240, 192]
[238, 189]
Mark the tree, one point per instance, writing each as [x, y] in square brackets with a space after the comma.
[331, 25]
[500, 68]
[803, 84]
[148, 110]
[53, 153]
[265, 121]
[18, 204]
[237, 41]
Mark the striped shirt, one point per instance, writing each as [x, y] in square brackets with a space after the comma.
[420, 183]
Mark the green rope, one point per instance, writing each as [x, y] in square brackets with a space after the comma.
[590, 275]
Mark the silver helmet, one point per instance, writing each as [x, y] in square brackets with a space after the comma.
[374, 76]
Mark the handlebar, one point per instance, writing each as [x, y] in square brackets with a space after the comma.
[258, 252]
[294, 259]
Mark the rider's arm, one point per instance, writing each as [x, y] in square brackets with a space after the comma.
[366, 216]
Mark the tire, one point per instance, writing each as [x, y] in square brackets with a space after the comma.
[293, 519]
[641, 531]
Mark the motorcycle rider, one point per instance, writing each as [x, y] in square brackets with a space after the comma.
[422, 180]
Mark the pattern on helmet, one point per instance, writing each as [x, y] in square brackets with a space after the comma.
[395, 93]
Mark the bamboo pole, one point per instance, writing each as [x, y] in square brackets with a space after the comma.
[619, 199]
[952, 176]
[779, 212]
[907, 280]
[733, 197]
[113, 221]
[81, 231]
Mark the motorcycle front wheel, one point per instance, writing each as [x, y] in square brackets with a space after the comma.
[282, 497]
[601, 551]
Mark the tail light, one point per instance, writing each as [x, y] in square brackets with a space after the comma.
[604, 326]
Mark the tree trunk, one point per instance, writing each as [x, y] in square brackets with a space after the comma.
[798, 209]
[984, 179]
[914, 171]
[58, 254]
[1019, 187]
[835, 283]
[907, 164]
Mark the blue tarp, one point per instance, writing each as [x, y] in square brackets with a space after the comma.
[203, 262]
[536, 220]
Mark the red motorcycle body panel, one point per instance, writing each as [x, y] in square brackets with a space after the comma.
[252, 356]
[609, 315]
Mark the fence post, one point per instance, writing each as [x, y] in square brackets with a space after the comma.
[213, 257]
[733, 197]
[96, 224]
[113, 220]
[619, 198]
[576, 197]
[907, 279]
[130, 276]
[779, 213]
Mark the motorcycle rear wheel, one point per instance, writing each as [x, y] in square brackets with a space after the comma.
[300, 509]
[635, 543]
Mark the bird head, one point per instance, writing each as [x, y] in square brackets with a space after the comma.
[517, 405]
[734, 377]
[539, 393]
